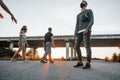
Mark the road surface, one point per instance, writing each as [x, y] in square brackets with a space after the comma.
[60, 70]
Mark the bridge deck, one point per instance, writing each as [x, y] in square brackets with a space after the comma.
[111, 40]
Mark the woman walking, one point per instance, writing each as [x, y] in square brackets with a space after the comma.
[22, 43]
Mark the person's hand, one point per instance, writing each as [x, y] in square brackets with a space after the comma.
[1, 16]
[86, 31]
[74, 37]
[13, 19]
[53, 46]
[27, 44]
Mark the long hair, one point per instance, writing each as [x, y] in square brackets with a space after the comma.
[24, 28]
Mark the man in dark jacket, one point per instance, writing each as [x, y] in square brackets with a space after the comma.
[83, 27]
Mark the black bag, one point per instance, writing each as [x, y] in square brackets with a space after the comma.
[85, 16]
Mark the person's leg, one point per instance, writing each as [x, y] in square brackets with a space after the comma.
[48, 48]
[88, 50]
[24, 52]
[50, 58]
[20, 48]
[24, 55]
[88, 46]
[50, 55]
[46, 58]
[78, 43]
[45, 50]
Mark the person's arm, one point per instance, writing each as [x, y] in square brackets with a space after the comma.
[26, 43]
[53, 43]
[19, 39]
[91, 20]
[8, 11]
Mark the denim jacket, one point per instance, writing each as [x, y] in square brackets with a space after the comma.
[85, 20]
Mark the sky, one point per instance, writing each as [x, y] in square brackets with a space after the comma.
[38, 15]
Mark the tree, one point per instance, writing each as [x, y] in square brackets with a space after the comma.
[106, 58]
[30, 54]
[62, 58]
[118, 57]
[114, 57]
[6, 52]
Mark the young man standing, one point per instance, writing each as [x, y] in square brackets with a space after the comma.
[49, 42]
[83, 27]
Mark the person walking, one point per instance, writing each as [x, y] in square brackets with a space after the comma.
[48, 43]
[85, 20]
[2, 4]
[22, 43]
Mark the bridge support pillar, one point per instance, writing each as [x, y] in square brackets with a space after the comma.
[67, 50]
[11, 46]
[71, 53]
[34, 52]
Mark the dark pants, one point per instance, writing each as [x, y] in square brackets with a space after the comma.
[86, 38]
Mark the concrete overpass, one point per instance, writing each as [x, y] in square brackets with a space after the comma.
[105, 40]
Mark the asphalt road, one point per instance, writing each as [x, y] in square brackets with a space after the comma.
[60, 70]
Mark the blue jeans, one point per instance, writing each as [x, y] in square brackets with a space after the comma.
[48, 46]
[86, 38]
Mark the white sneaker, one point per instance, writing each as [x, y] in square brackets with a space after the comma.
[12, 60]
[26, 61]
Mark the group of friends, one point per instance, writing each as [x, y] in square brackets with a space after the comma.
[82, 33]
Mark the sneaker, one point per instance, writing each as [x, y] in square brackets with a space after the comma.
[12, 60]
[42, 61]
[26, 61]
[46, 59]
[87, 66]
[78, 64]
[51, 61]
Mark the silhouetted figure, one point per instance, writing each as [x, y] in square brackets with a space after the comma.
[2, 4]
[84, 23]
[49, 42]
[22, 43]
